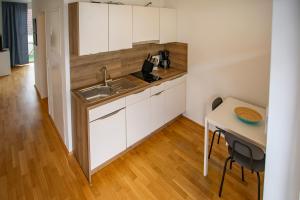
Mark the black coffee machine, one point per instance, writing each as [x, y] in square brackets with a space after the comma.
[164, 60]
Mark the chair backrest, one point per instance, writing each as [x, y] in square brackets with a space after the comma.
[244, 148]
[218, 101]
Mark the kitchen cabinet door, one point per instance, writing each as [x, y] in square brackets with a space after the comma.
[107, 137]
[92, 28]
[176, 101]
[158, 111]
[138, 121]
[120, 27]
[145, 24]
[168, 25]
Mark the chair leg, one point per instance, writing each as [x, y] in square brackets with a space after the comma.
[219, 137]
[232, 161]
[223, 176]
[258, 181]
[243, 177]
[211, 144]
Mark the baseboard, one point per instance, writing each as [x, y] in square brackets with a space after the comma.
[37, 91]
[70, 153]
[193, 121]
[39, 94]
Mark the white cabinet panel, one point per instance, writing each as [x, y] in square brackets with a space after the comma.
[93, 28]
[120, 27]
[145, 24]
[158, 111]
[176, 101]
[175, 82]
[138, 121]
[158, 88]
[134, 98]
[106, 109]
[168, 25]
[107, 137]
[5, 67]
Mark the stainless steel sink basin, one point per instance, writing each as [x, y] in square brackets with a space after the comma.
[97, 91]
[102, 91]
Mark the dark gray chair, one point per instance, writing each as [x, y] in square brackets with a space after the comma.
[246, 155]
[218, 101]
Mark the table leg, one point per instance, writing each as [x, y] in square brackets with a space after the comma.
[206, 141]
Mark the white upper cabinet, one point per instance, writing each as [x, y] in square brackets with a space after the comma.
[93, 28]
[120, 27]
[168, 25]
[145, 24]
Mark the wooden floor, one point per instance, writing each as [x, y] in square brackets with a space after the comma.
[34, 164]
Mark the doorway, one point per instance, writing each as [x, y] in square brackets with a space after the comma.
[39, 40]
[30, 35]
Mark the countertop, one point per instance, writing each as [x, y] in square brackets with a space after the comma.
[141, 85]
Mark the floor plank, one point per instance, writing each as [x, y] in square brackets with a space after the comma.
[169, 165]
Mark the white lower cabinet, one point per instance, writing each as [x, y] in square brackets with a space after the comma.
[158, 110]
[107, 137]
[122, 123]
[175, 101]
[138, 121]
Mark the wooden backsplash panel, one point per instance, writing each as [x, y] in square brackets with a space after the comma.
[85, 70]
[178, 55]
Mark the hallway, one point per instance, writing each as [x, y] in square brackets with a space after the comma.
[35, 165]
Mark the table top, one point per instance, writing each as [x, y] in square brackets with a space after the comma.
[225, 118]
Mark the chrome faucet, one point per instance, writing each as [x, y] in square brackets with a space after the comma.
[104, 68]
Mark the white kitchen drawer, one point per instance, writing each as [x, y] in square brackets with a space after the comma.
[106, 109]
[175, 82]
[135, 98]
[158, 88]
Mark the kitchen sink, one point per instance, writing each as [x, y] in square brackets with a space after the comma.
[111, 88]
[97, 91]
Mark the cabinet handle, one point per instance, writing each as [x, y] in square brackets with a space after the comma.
[108, 115]
[158, 93]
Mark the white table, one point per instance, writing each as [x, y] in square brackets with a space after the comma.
[225, 118]
[5, 63]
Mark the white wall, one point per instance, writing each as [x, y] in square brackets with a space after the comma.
[229, 50]
[63, 123]
[282, 177]
[40, 57]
